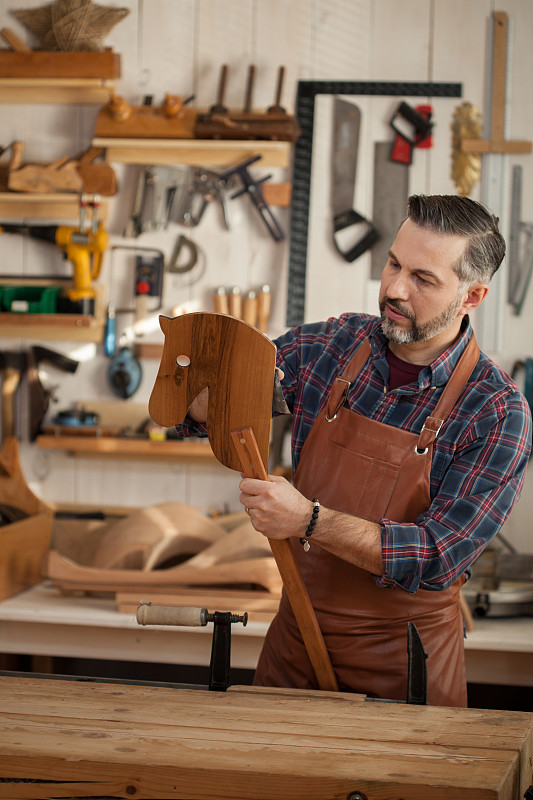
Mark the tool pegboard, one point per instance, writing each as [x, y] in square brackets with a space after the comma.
[307, 91]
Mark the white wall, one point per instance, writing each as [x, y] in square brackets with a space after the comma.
[178, 46]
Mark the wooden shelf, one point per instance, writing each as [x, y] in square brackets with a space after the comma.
[65, 327]
[63, 91]
[169, 450]
[60, 205]
[194, 152]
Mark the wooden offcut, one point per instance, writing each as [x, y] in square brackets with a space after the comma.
[73, 740]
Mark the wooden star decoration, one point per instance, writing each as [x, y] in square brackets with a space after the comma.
[68, 25]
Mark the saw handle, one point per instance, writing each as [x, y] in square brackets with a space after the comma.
[366, 240]
[253, 467]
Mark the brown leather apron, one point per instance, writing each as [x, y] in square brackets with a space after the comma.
[371, 470]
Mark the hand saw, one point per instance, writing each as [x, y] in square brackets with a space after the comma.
[353, 235]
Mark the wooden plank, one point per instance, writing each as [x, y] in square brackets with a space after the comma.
[260, 606]
[499, 71]
[120, 446]
[88, 91]
[70, 327]
[277, 194]
[43, 64]
[193, 152]
[36, 205]
[483, 146]
[158, 742]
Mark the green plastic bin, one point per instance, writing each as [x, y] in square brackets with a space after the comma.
[29, 299]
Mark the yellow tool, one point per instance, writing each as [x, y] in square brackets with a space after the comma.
[83, 246]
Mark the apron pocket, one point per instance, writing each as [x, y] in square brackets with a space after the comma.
[368, 493]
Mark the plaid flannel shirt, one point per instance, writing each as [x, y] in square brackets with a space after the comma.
[479, 456]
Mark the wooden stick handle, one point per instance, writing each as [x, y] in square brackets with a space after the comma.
[253, 467]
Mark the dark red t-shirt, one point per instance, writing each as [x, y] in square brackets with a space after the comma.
[401, 372]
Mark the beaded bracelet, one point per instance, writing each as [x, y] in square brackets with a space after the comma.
[312, 522]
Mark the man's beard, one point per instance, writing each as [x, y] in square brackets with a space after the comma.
[417, 332]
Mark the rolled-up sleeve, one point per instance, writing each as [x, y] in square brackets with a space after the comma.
[472, 502]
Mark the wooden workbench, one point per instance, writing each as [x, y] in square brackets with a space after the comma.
[69, 739]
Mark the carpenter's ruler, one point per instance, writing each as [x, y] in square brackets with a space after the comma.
[494, 180]
[303, 151]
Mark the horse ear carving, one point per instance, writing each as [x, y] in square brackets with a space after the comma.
[164, 323]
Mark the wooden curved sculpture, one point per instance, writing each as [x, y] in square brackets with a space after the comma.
[154, 535]
[69, 576]
[139, 551]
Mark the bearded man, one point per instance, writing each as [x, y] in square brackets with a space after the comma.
[409, 449]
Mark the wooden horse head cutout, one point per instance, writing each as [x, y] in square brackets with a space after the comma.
[235, 360]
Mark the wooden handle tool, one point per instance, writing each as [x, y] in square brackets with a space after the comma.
[235, 303]
[221, 301]
[250, 308]
[263, 308]
[252, 467]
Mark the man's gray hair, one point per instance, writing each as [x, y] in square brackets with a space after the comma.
[462, 216]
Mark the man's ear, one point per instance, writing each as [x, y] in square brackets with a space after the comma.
[474, 296]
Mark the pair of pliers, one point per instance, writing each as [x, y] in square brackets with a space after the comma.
[205, 186]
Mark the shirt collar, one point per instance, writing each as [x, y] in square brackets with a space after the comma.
[435, 374]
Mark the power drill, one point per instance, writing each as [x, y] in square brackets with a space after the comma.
[83, 246]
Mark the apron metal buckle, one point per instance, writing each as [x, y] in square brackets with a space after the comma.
[435, 431]
[341, 400]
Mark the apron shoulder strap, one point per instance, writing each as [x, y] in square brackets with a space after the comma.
[452, 391]
[339, 390]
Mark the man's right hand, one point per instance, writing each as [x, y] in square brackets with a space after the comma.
[198, 408]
